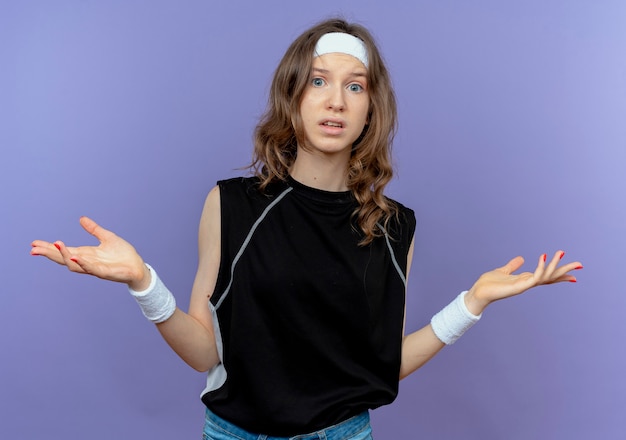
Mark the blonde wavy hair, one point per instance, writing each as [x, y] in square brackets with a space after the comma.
[280, 129]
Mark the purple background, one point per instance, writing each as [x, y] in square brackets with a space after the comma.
[512, 141]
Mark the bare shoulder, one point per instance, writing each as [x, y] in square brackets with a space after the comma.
[208, 255]
[209, 229]
[210, 220]
[212, 201]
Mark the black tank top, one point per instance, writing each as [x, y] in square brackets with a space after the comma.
[310, 322]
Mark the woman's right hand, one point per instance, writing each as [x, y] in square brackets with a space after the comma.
[113, 259]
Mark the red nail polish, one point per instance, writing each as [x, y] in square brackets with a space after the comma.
[75, 260]
[544, 257]
[572, 281]
[562, 253]
[578, 267]
[57, 246]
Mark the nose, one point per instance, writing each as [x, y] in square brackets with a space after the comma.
[336, 99]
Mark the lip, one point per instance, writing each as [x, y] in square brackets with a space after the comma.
[332, 129]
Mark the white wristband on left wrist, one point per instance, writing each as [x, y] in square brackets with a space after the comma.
[453, 320]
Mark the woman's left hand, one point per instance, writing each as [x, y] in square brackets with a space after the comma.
[502, 283]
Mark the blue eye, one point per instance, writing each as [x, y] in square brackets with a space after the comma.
[317, 82]
[355, 87]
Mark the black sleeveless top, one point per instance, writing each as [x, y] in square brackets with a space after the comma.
[310, 323]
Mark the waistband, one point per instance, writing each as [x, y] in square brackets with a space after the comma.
[346, 429]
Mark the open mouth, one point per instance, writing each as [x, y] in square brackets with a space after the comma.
[332, 124]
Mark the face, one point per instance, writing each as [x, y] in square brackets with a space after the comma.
[335, 104]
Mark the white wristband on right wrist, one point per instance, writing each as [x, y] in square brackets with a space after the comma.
[453, 320]
[156, 302]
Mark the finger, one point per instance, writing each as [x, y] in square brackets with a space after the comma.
[37, 243]
[94, 229]
[562, 278]
[562, 273]
[68, 259]
[79, 265]
[540, 269]
[46, 249]
[541, 264]
[65, 254]
[558, 255]
[39, 247]
[512, 265]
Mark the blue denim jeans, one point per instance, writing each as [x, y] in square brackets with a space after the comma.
[355, 428]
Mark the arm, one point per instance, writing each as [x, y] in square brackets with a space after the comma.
[421, 346]
[189, 334]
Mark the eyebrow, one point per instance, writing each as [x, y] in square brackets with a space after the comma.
[352, 74]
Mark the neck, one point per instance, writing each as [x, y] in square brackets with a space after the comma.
[325, 172]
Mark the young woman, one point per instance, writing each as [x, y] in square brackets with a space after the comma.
[297, 309]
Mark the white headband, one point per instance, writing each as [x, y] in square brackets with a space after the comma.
[341, 42]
